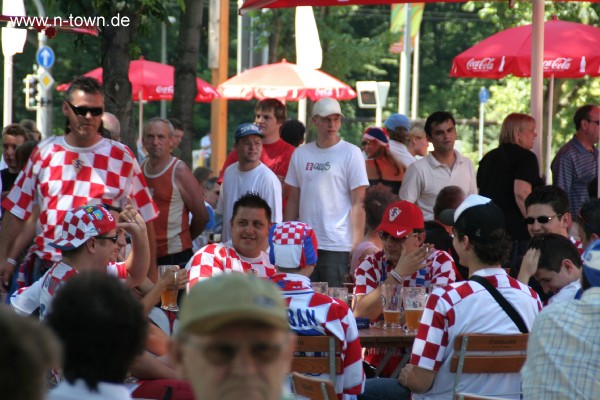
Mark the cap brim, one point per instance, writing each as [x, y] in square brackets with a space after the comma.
[447, 216]
[393, 231]
[65, 246]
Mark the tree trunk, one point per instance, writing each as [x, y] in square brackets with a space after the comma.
[115, 75]
[188, 48]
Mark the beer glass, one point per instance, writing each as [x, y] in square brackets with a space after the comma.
[320, 287]
[391, 300]
[415, 299]
[168, 298]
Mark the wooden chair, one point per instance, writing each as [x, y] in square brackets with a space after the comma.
[509, 354]
[312, 358]
[313, 388]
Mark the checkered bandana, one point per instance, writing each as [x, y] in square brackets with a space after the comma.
[292, 245]
[82, 223]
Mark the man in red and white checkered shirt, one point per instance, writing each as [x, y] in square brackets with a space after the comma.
[405, 259]
[245, 253]
[293, 251]
[481, 243]
[68, 171]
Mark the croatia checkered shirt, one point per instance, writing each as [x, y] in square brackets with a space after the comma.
[314, 314]
[60, 177]
[220, 258]
[374, 269]
[26, 300]
[467, 307]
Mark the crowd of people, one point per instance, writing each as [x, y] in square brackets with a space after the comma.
[85, 227]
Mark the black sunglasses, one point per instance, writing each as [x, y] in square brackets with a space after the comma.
[541, 219]
[113, 238]
[83, 111]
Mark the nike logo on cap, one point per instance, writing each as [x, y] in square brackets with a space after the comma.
[400, 233]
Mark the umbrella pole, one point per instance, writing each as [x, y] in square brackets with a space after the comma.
[140, 115]
[549, 134]
[302, 111]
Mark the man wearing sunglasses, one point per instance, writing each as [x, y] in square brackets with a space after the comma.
[88, 240]
[69, 171]
[234, 341]
[576, 163]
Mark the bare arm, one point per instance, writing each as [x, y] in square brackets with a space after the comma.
[139, 258]
[357, 214]
[522, 189]
[193, 197]
[292, 208]
[26, 235]
[417, 379]
[152, 270]
[11, 227]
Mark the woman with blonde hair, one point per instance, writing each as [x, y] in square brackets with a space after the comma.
[416, 141]
[508, 174]
[381, 166]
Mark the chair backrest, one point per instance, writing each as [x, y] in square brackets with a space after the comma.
[313, 388]
[318, 355]
[509, 354]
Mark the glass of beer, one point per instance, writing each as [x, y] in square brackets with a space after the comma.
[320, 287]
[168, 298]
[391, 300]
[415, 299]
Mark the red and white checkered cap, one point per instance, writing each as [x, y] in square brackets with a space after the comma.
[82, 223]
[292, 245]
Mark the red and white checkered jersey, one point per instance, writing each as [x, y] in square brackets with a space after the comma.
[374, 269]
[467, 307]
[60, 177]
[577, 244]
[220, 258]
[26, 300]
[314, 314]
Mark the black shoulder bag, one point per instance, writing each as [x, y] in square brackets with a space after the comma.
[506, 306]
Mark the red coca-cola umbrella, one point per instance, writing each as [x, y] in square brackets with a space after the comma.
[152, 81]
[571, 50]
[286, 81]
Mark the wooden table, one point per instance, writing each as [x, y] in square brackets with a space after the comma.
[389, 339]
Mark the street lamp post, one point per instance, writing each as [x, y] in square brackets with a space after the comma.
[13, 41]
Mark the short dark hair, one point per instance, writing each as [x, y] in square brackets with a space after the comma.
[85, 84]
[589, 217]
[17, 130]
[279, 109]
[201, 174]
[436, 118]
[102, 328]
[177, 124]
[492, 251]
[551, 195]
[251, 200]
[555, 248]
[23, 152]
[376, 200]
[582, 113]
[292, 131]
[449, 197]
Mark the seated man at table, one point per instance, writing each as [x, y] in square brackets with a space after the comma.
[293, 252]
[556, 263]
[481, 242]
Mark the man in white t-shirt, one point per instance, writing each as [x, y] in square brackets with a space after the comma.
[248, 174]
[444, 166]
[328, 180]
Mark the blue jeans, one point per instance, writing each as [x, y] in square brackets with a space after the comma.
[384, 389]
[332, 267]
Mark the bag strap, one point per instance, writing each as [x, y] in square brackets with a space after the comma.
[505, 304]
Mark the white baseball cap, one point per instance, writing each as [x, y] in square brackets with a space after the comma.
[327, 106]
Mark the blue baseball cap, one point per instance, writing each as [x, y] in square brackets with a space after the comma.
[247, 129]
[396, 120]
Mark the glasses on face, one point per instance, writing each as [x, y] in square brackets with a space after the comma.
[223, 353]
[542, 219]
[385, 236]
[83, 111]
[113, 238]
[597, 122]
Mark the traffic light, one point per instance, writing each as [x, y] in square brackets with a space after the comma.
[32, 92]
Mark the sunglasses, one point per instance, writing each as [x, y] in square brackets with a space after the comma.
[113, 238]
[541, 219]
[83, 111]
[223, 353]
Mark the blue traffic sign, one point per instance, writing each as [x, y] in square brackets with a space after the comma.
[45, 57]
[484, 95]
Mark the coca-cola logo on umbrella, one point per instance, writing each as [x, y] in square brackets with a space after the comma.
[483, 64]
